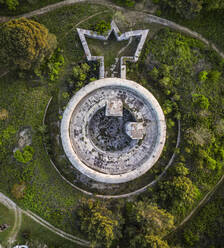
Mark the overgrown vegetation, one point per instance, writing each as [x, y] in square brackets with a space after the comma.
[185, 76]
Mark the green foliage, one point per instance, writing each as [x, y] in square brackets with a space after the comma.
[154, 73]
[6, 139]
[168, 107]
[101, 225]
[179, 194]
[6, 134]
[203, 76]
[11, 4]
[181, 170]
[200, 101]
[4, 114]
[146, 220]
[156, 242]
[204, 229]
[186, 8]
[54, 65]
[199, 136]
[127, 3]
[25, 44]
[191, 8]
[81, 75]
[80, 71]
[24, 156]
[214, 76]
[102, 27]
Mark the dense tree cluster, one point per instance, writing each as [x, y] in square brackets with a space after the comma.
[25, 44]
[147, 224]
[100, 224]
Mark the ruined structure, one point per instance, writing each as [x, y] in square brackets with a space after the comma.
[113, 130]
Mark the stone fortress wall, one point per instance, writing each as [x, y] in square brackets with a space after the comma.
[142, 34]
[121, 155]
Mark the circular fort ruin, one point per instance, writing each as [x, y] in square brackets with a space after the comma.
[113, 130]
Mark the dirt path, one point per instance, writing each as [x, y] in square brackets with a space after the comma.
[148, 18]
[202, 202]
[18, 217]
[18, 221]
[57, 231]
[4, 73]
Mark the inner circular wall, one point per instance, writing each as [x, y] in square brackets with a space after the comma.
[117, 166]
[108, 132]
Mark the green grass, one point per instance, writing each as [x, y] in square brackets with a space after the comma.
[26, 107]
[109, 49]
[25, 7]
[6, 217]
[209, 25]
[46, 193]
[35, 234]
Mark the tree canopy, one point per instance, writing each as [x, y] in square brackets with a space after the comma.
[25, 44]
[101, 225]
[145, 221]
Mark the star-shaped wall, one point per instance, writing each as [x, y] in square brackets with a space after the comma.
[142, 34]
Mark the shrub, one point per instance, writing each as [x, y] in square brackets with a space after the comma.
[128, 3]
[214, 76]
[203, 76]
[11, 4]
[102, 27]
[54, 65]
[4, 114]
[18, 190]
[25, 156]
[167, 107]
[200, 101]
[154, 73]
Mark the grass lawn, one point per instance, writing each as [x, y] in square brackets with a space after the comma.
[178, 61]
[25, 7]
[25, 100]
[6, 217]
[109, 49]
[34, 234]
[210, 25]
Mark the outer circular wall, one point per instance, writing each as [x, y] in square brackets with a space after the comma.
[66, 139]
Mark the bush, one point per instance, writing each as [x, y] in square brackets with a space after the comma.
[25, 156]
[102, 27]
[54, 65]
[4, 114]
[214, 76]
[200, 101]
[154, 73]
[203, 76]
[128, 3]
[11, 4]
[18, 190]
